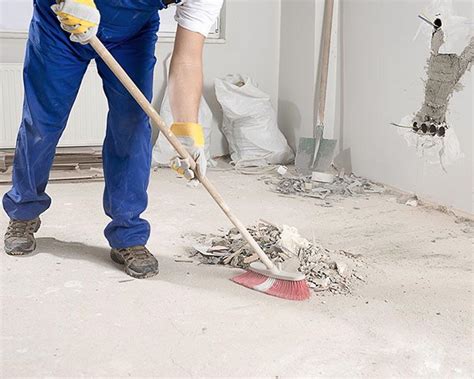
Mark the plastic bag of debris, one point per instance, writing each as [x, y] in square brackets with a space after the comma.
[250, 124]
[163, 152]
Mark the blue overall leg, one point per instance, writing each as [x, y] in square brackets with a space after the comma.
[53, 72]
[127, 146]
[54, 68]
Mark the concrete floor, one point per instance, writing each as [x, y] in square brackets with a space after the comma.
[69, 311]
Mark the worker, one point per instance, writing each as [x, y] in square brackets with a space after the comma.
[57, 56]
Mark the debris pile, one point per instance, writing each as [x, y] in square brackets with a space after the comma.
[325, 270]
[343, 185]
[231, 249]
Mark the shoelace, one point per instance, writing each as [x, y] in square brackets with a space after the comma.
[138, 253]
[20, 228]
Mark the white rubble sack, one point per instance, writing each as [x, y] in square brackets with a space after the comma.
[250, 123]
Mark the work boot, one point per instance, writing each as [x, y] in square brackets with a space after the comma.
[19, 238]
[138, 261]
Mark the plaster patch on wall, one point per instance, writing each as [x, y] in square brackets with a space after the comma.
[428, 129]
[443, 74]
[457, 29]
[434, 149]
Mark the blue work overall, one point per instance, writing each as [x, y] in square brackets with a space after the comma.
[53, 71]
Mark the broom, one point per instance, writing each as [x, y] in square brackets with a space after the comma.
[262, 276]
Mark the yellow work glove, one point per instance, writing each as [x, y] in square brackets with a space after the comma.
[78, 17]
[191, 136]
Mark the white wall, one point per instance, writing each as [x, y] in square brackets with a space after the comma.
[382, 71]
[297, 69]
[301, 29]
[252, 47]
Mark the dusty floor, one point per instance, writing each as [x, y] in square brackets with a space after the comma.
[69, 311]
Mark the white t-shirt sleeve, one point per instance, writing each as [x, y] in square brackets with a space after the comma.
[198, 15]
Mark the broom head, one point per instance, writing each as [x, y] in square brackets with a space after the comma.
[290, 286]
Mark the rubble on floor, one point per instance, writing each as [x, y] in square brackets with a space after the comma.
[343, 185]
[325, 270]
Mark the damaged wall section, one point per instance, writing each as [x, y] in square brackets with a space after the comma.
[444, 72]
[382, 67]
[432, 134]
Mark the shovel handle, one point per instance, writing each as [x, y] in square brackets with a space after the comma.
[131, 87]
[325, 51]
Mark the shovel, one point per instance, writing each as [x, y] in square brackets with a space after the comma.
[325, 148]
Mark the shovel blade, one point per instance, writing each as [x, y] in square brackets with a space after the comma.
[305, 155]
[325, 155]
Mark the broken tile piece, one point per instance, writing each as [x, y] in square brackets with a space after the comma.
[412, 202]
[282, 170]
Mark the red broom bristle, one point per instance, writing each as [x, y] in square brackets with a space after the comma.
[285, 289]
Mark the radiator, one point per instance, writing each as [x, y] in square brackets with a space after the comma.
[86, 126]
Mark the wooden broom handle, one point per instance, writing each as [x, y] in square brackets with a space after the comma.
[182, 152]
[326, 49]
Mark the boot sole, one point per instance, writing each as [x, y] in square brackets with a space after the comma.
[137, 275]
[18, 253]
